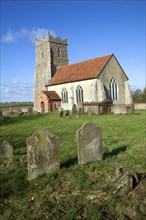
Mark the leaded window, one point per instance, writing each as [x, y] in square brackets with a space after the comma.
[79, 94]
[113, 89]
[64, 94]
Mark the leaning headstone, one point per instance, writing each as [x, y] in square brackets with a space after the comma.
[74, 110]
[30, 112]
[42, 153]
[89, 143]
[6, 149]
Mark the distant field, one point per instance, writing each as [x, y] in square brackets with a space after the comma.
[16, 105]
[123, 138]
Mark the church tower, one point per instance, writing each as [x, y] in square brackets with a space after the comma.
[51, 53]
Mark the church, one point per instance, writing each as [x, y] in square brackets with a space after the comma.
[59, 84]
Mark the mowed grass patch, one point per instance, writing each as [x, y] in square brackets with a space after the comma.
[123, 139]
[123, 135]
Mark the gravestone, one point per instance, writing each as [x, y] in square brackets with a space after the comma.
[6, 149]
[42, 153]
[30, 112]
[67, 113]
[21, 113]
[74, 110]
[89, 143]
[61, 112]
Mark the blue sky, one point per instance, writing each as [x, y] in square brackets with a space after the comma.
[93, 28]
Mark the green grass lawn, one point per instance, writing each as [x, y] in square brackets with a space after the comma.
[123, 139]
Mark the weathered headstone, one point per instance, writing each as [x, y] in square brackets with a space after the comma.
[61, 112]
[42, 153]
[6, 149]
[89, 143]
[21, 113]
[5, 113]
[30, 112]
[67, 113]
[74, 110]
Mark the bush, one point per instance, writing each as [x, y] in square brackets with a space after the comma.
[139, 96]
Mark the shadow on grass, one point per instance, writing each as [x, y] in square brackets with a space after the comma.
[72, 161]
[69, 162]
[114, 152]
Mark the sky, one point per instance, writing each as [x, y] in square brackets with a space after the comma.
[94, 28]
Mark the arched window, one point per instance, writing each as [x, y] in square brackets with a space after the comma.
[113, 89]
[59, 52]
[79, 94]
[64, 94]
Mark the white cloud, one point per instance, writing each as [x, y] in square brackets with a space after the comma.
[9, 37]
[16, 91]
[38, 33]
[14, 80]
[24, 33]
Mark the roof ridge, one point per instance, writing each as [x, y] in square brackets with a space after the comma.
[83, 70]
[84, 61]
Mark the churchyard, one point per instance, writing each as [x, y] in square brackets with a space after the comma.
[77, 190]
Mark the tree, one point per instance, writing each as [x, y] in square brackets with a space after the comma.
[144, 95]
[139, 96]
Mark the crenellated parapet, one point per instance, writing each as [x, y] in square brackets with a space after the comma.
[51, 39]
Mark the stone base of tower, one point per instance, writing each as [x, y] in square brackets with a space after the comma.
[35, 107]
[51, 53]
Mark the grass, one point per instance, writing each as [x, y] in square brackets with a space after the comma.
[56, 195]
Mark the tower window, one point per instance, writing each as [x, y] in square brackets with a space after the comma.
[59, 52]
[79, 94]
[64, 94]
[113, 89]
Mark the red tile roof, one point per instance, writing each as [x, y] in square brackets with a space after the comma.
[52, 95]
[79, 71]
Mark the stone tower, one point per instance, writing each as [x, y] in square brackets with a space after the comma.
[51, 53]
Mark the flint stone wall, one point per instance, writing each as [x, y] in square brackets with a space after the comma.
[122, 109]
[139, 105]
[42, 153]
[89, 143]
